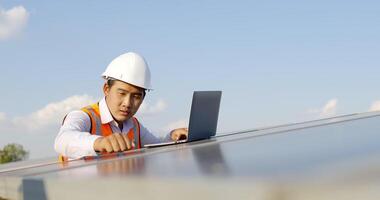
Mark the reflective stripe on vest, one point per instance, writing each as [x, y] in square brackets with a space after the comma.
[97, 128]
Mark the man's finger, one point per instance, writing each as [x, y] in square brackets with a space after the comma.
[182, 136]
[127, 141]
[179, 134]
[107, 145]
[121, 141]
[174, 135]
[114, 143]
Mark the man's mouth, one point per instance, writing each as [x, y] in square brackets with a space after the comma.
[124, 112]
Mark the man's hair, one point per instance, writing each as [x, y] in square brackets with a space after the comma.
[110, 82]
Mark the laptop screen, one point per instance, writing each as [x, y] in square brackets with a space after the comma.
[204, 114]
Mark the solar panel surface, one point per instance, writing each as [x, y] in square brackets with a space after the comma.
[289, 160]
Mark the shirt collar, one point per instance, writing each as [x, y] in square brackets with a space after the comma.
[105, 114]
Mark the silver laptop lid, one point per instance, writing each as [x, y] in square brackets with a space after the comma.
[204, 114]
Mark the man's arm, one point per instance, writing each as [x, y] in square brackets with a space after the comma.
[74, 139]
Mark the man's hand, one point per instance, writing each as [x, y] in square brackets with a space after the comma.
[113, 143]
[179, 134]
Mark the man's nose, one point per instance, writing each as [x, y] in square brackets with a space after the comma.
[127, 101]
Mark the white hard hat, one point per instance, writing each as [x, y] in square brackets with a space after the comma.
[130, 68]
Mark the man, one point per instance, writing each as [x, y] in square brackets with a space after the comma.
[110, 125]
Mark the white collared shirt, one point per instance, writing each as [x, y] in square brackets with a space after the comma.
[74, 139]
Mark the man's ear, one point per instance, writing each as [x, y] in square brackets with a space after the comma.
[106, 89]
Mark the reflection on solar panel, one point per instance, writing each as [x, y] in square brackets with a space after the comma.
[336, 158]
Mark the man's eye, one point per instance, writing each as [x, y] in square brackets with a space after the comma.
[122, 93]
[137, 96]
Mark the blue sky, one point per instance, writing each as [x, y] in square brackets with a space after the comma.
[276, 62]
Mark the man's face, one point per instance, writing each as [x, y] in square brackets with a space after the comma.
[123, 99]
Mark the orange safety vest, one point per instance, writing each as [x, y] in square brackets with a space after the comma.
[97, 128]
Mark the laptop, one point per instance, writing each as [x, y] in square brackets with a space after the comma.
[203, 117]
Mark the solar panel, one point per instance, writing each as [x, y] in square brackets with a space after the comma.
[294, 160]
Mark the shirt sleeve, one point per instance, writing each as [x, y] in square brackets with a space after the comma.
[148, 137]
[74, 139]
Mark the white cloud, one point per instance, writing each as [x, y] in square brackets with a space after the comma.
[375, 106]
[2, 116]
[12, 21]
[53, 113]
[147, 109]
[328, 110]
[36, 131]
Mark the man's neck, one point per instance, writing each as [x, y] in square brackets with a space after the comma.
[120, 125]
